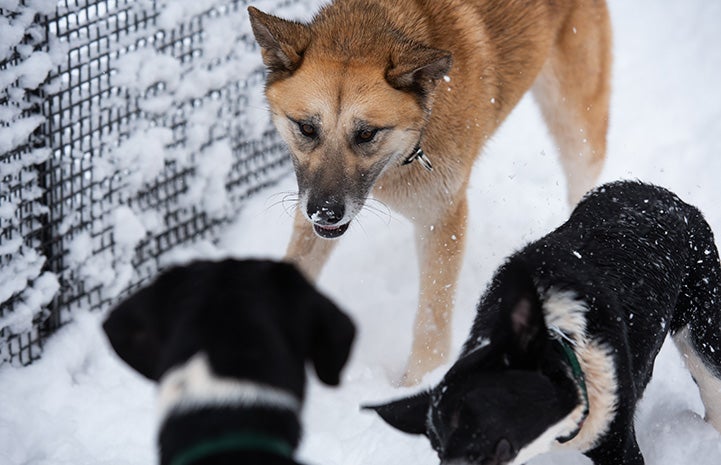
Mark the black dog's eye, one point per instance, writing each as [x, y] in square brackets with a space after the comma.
[308, 130]
[365, 135]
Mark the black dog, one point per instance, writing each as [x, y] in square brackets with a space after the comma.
[565, 337]
[228, 342]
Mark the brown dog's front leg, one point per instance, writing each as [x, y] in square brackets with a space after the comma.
[308, 251]
[440, 253]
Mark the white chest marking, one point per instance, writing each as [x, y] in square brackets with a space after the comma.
[194, 385]
[566, 312]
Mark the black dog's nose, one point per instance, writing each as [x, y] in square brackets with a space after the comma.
[326, 212]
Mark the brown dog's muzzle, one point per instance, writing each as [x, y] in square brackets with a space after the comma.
[326, 216]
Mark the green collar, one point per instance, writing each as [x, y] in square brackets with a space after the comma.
[237, 441]
[565, 343]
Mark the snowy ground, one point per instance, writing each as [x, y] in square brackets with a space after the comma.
[80, 405]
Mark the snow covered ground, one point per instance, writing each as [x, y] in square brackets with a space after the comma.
[80, 405]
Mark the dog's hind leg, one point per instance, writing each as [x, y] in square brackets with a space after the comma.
[308, 251]
[573, 91]
[697, 320]
[705, 372]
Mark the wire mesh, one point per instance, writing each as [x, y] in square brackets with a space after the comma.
[147, 118]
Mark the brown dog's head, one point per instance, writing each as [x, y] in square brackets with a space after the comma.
[350, 94]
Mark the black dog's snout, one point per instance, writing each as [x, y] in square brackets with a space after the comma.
[327, 212]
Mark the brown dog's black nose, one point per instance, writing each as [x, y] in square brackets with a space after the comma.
[326, 212]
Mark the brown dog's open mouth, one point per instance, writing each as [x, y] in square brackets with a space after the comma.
[330, 232]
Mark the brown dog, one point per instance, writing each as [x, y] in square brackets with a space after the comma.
[371, 85]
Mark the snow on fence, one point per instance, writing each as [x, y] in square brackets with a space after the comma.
[127, 128]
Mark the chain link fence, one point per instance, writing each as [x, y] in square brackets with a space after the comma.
[127, 128]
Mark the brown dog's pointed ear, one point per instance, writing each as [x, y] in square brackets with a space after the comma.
[282, 42]
[408, 414]
[418, 68]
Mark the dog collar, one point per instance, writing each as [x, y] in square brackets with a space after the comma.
[233, 442]
[565, 343]
[420, 155]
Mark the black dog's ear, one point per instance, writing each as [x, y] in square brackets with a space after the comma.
[408, 414]
[138, 327]
[134, 332]
[282, 42]
[522, 312]
[333, 336]
[331, 331]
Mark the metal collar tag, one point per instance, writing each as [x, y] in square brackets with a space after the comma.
[420, 155]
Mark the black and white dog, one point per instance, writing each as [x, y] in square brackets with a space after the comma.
[228, 343]
[566, 335]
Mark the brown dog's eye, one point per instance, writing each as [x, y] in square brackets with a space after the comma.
[308, 130]
[365, 135]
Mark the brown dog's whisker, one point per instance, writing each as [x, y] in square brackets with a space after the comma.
[385, 213]
[359, 222]
[289, 202]
[290, 209]
[287, 197]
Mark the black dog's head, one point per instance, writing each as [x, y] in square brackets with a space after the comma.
[504, 400]
[252, 319]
